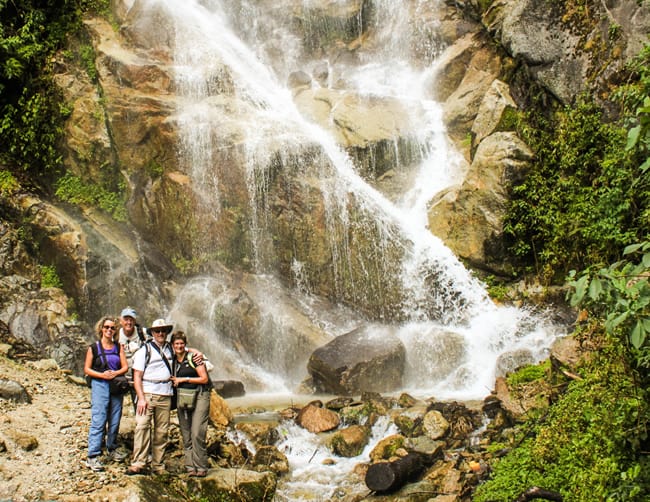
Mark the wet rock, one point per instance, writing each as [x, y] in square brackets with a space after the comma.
[229, 388]
[409, 421]
[260, 433]
[269, 458]
[366, 359]
[510, 361]
[349, 442]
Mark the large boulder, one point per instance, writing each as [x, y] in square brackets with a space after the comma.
[367, 359]
[565, 51]
[470, 218]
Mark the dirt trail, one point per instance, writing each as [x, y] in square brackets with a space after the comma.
[57, 419]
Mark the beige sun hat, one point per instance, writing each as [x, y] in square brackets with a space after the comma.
[161, 324]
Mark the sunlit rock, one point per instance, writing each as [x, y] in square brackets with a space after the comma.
[434, 425]
[470, 218]
[387, 447]
[494, 107]
[237, 484]
[220, 414]
[349, 441]
[317, 419]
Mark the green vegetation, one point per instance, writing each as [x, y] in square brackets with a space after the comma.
[589, 442]
[594, 438]
[49, 277]
[583, 199]
[587, 196]
[74, 190]
[529, 373]
[8, 183]
[32, 112]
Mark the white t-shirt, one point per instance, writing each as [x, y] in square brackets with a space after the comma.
[156, 371]
[131, 345]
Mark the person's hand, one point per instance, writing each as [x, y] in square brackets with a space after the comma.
[141, 408]
[175, 381]
[108, 375]
[197, 358]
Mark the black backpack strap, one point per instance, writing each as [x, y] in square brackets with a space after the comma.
[100, 347]
[140, 330]
[162, 355]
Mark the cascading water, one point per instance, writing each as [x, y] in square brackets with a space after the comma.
[452, 332]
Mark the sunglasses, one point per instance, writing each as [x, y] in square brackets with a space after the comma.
[112, 328]
[158, 331]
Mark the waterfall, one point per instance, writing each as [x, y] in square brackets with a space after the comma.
[453, 333]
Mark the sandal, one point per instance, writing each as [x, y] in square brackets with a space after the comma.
[201, 473]
[190, 471]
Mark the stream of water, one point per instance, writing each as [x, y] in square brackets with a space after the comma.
[452, 355]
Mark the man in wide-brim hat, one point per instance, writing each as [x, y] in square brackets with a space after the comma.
[151, 378]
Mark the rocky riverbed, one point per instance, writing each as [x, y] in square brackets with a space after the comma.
[45, 414]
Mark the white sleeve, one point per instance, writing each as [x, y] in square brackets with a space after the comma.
[139, 358]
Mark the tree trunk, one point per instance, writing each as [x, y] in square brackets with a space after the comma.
[389, 476]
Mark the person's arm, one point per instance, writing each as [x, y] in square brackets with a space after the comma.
[88, 369]
[141, 407]
[197, 380]
[88, 362]
[124, 365]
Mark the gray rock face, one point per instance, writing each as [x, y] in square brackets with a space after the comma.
[363, 360]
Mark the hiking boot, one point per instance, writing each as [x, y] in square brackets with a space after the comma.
[94, 464]
[118, 455]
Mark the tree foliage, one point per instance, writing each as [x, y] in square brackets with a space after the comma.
[32, 111]
[587, 194]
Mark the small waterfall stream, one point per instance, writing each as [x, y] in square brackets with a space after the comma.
[452, 332]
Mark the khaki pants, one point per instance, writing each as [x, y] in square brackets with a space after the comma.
[158, 410]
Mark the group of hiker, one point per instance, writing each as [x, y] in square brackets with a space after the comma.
[160, 373]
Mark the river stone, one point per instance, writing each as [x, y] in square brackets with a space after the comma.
[387, 447]
[269, 458]
[236, 484]
[434, 425]
[316, 419]
[366, 359]
[351, 441]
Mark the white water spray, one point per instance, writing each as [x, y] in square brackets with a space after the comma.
[433, 280]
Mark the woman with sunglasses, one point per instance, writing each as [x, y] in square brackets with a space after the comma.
[104, 362]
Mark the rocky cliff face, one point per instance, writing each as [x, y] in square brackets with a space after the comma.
[126, 127]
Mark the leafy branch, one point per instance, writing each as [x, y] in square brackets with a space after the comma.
[620, 295]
